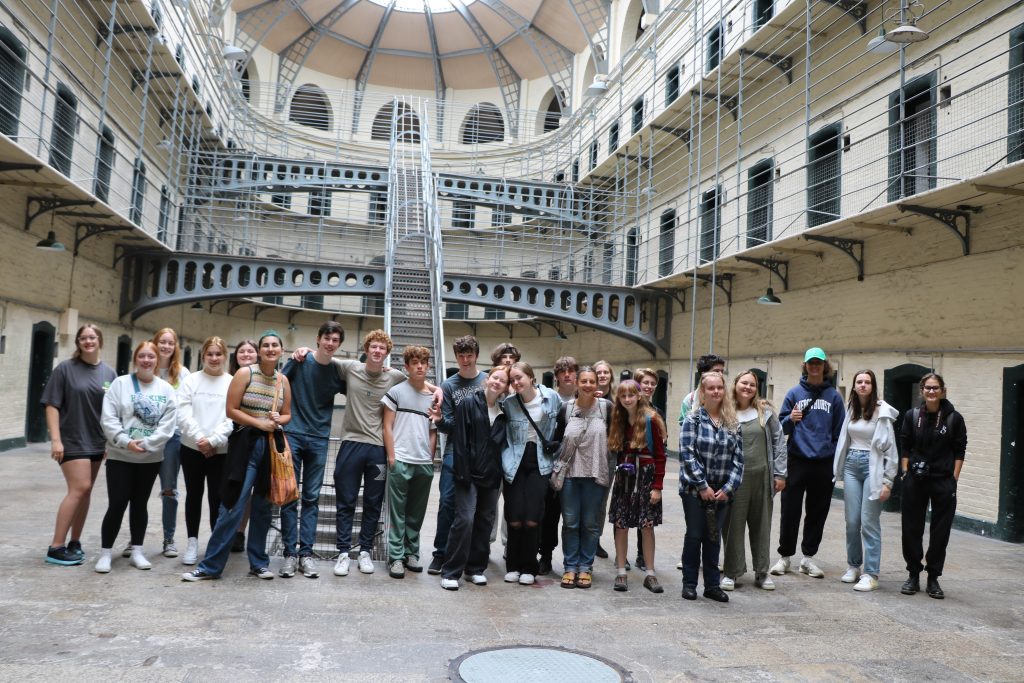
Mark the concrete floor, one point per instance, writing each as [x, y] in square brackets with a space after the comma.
[71, 623]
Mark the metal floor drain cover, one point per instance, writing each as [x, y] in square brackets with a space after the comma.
[530, 663]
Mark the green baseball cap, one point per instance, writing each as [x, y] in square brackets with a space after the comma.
[815, 353]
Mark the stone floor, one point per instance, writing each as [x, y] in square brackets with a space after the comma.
[71, 623]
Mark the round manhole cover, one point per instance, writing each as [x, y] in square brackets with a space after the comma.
[529, 663]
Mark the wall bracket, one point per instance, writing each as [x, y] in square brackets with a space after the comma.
[84, 231]
[851, 247]
[949, 218]
[723, 281]
[780, 268]
[141, 77]
[783, 63]
[857, 9]
[730, 102]
[47, 204]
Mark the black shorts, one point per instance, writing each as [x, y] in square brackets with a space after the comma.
[94, 457]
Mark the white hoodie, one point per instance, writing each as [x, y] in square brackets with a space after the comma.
[202, 405]
[121, 425]
[883, 458]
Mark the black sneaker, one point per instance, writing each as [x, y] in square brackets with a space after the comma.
[197, 575]
[716, 594]
[62, 556]
[435, 565]
[912, 585]
[238, 546]
[933, 589]
[76, 548]
[544, 567]
[601, 552]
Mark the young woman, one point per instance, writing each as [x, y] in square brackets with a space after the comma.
[477, 441]
[259, 403]
[174, 373]
[710, 471]
[637, 437]
[605, 379]
[244, 355]
[934, 440]
[584, 454]
[204, 429]
[866, 458]
[648, 381]
[764, 474]
[74, 399]
[526, 468]
[138, 419]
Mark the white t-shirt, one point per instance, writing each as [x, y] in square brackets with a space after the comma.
[536, 410]
[412, 425]
[746, 415]
[860, 432]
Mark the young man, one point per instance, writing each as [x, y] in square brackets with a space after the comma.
[314, 386]
[505, 354]
[457, 387]
[705, 363]
[566, 368]
[812, 417]
[409, 440]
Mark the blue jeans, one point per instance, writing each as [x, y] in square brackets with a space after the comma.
[169, 482]
[699, 545]
[581, 522]
[863, 516]
[219, 547]
[309, 457]
[366, 464]
[446, 506]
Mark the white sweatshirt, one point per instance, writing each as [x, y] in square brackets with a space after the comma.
[202, 404]
[121, 425]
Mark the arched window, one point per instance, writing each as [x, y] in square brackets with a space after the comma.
[62, 134]
[104, 164]
[632, 256]
[667, 243]
[244, 82]
[12, 80]
[483, 124]
[138, 193]
[552, 114]
[632, 26]
[310, 107]
[407, 126]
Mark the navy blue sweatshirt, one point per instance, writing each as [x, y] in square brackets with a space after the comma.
[816, 435]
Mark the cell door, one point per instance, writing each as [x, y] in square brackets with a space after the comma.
[39, 370]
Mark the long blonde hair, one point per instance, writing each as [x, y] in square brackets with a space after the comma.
[757, 403]
[728, 410]
[174, 366]
[621, 424]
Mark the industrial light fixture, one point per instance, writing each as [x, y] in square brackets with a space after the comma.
[50, 243]
[907, 33]
[769, 298]
[561, 336]
[881, 45]
[197, 306]
[233, 53]
[165, 144]
[292, 327]
[599, 86]
[907, 16]
[648, 191]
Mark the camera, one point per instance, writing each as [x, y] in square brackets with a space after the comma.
[919, 469]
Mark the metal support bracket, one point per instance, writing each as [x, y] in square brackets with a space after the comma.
[84, 231]
[642, 160]
[120, 251]
[46, 204]
[140, 78]
[948, 217]
[102, 32]
[681, 133]
[730, 102]
[783, 63]
[851, 247]
[857, 9]
[679, 294]
[11, 166]
[780, 268]
[723, 280]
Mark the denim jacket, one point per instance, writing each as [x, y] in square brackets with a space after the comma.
[519, 426]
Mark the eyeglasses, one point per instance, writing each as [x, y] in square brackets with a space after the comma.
[931, 389]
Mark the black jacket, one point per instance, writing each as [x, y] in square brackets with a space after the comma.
[477, 444]
[939, 440]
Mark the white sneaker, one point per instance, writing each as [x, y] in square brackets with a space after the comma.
[808, 567]
[478, 579]
[450, 584]
[365, 563]
[341, 566]
[103, 563]
[288, 568]
[851, 575]
[765, 583]
[728, 584]
[170, 550]
[512, 577]
[308, 566]
[139, 560]
[526, 579]
[191, 555]
[780, 567]
[396, 570]
[412, 563]
[866, 584]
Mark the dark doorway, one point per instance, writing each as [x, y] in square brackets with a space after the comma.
[548, 379]
[124, 354]
[1011, 470]
[901, 390]
[39, 370]
[660, 398]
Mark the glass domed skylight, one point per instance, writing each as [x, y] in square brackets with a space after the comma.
[435, 6]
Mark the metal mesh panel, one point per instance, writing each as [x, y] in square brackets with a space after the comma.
[823, 176]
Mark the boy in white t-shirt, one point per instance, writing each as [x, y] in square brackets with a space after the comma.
[409, 441]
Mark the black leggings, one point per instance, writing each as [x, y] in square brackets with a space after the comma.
[524, 510]
[128, 484]
[201, 472]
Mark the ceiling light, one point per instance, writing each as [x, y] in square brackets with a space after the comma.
[197, 306]
[769, 298]
[881, 45]
[233, 53]
[907, 33]
[50, 243]
[599, 87]
[292, 327]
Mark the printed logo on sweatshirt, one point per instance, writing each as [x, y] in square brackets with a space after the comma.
[804, 405]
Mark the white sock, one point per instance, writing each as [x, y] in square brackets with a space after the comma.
[621, 571]
[650, 572]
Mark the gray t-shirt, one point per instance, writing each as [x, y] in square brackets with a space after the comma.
[363, 419]
[412, 423]
[76, 389]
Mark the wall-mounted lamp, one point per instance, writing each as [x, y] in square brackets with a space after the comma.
[599, 87]
[165, 144]
[881, 45]
[233, 53]
[50, 243]
[769, 298]
[197, 306]
[905, 33]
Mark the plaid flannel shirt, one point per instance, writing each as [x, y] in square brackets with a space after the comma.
[708, 455]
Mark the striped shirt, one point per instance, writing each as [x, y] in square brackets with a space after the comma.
[709, 456]
[258, 398]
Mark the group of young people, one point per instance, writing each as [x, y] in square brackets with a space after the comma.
[584, 452]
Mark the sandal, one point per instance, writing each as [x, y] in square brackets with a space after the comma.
[651, 584]
[569, 580]
[620, 583]
[584, 580]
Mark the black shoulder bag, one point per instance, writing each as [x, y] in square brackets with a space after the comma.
[550, 448]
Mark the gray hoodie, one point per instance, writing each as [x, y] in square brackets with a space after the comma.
[883, 459]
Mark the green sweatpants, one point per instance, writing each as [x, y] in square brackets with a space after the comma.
[408, 491]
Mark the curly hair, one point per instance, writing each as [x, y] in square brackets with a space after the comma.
[377, 336]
